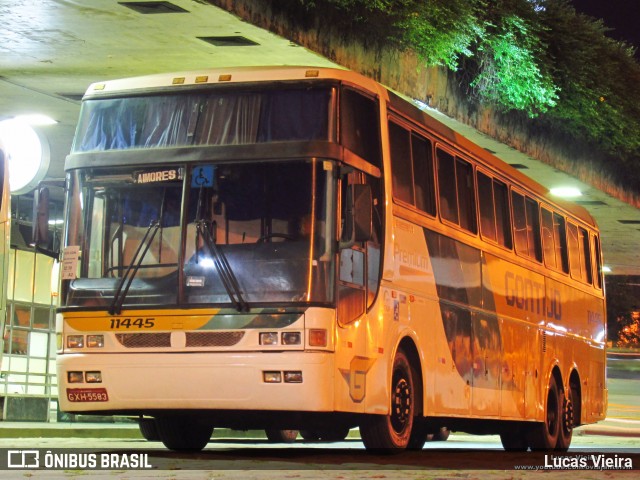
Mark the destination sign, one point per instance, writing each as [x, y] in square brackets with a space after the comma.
[155, 176]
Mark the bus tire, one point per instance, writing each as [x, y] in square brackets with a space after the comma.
[544, 435]
[183, 433]
[391, 433]
[441, 435]
[310, 435]
[149, 429]
[514, 440]
[419, 435]
[568, 420]
[275, 435]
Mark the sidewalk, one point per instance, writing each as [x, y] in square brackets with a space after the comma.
[614, 427]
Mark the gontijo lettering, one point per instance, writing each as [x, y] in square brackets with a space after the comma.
[531, 296]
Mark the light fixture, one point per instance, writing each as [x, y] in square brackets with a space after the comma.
[27, 153]
[35, 119]
[566, 192]
[606, 269]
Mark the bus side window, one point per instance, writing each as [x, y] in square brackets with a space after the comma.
[494, 210]
[548, 242]
[359, 125]
[560, 240]
[597, 262]
[466, 196]
[503, 216]
[424, 183]
[580, 253]
[526, 225]
[457, 191]
[447, 187]
[401, 171]
[585, 256]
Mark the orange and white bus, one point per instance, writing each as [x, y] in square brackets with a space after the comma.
[300, 248]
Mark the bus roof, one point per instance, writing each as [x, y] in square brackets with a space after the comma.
[237, 75]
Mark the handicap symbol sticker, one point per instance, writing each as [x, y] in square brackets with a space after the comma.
[203, 176]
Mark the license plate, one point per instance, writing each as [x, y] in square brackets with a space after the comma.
[87, 395]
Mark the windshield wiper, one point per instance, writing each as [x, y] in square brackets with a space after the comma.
[126, 280]
[228, 278]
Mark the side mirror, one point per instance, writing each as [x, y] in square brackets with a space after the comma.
[358, 225]
[40, 229]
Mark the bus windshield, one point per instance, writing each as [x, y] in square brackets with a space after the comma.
[235, 234]
[221, 117]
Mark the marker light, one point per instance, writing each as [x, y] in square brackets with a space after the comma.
[318, 337]
[293, 377]
[272, 377]
[94, 377]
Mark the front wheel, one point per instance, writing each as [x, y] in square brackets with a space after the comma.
[183, 433]
[390, 433]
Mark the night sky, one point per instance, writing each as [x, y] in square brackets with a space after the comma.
[622, 16]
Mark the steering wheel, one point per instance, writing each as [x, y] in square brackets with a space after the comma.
[269, 236]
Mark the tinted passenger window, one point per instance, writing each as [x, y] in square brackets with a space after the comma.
[457, 191]
[494, 210]
[526, 226]
[425, 191]
[579, 253]
[359, 125]
[401, 163]
[412, 166]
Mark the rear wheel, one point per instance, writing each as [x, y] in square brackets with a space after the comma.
[514, 440]
[183, 433]
[441, 435]
[281, 436]
[544, 435]
[392, 432]
[568, 420]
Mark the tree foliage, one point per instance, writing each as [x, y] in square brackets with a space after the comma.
[539, 57]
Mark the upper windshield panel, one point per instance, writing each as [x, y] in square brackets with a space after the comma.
[222, 117]
[234, 235]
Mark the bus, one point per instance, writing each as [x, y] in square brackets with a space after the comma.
[300, 248]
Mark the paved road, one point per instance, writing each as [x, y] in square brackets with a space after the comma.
[461, 457]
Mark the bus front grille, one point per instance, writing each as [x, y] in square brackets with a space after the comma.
[193, 339]
[144, 340]
[213, 339]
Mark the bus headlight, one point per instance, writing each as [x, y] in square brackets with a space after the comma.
[75, 341]
[95, 341]
[291, 338]
[268, 338]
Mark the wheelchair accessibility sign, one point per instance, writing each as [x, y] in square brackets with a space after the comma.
[203, 176]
